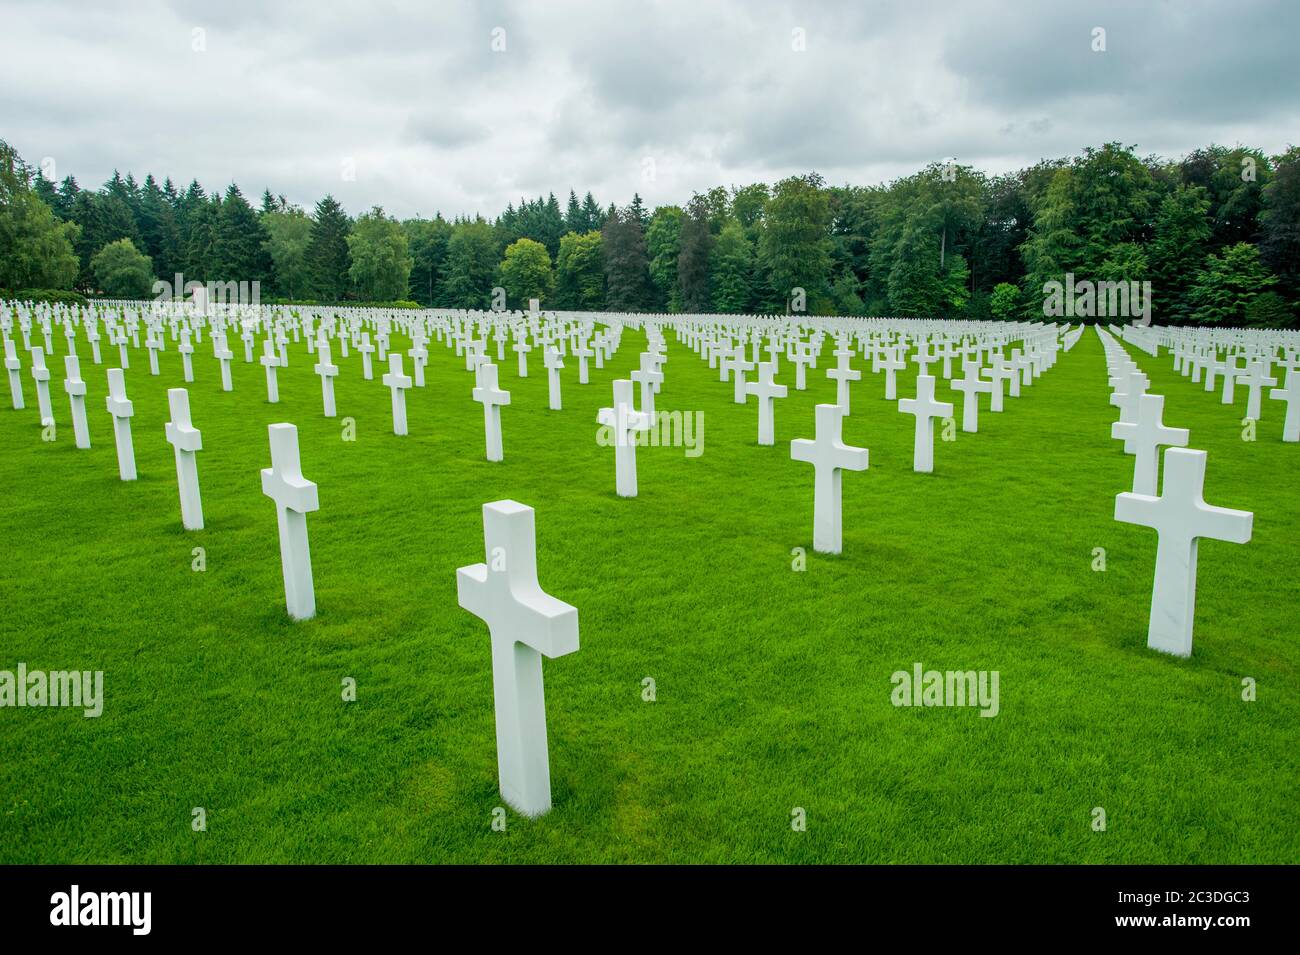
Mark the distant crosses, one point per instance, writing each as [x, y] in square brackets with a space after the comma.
[843, 374]
[14, 367]
[367, 370]
[223, 355]
[270, 361]
[1180, 517]
[624, 422]
[326, 368]
[295, 497]
[187, 351]
[524, 623]
[1290, 394]
[767, 391]
[492, 398]
[970, 387]
[76, 389]
[41, 375]
[551, 359]
[397, 383]
[1144, 438]
[1255, 380]
[185, 440]
[120, 407]
[829, 455]
[925, 408]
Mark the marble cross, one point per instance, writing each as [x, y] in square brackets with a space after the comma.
[767, 391]
[1144, 437]
[187, 351]
[185, 440]
[223, 355]
[41, 375]
[295, 497]
[397, 382]
[120, 407]
[843, 374]
[14, 366]
[76, 389]
[970, 387]
[367, 370]
[493, 399]
[829, 455]
[1255, 380]
[925, 408]
[551, 359]
[270, 361]
[624, 422]
[327, 370]
[524, 624]
[1290, 394]
[1181, 518]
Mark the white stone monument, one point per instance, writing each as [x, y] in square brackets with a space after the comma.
[926, 409]
[829, 455]
[624, 422]
[397, 383]
[524, 624]
[1180, 517]
[120, 407]
[185, 440]
[492, 398]
[295, 497]
[76, 389]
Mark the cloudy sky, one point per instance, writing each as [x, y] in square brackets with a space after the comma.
[462, 106]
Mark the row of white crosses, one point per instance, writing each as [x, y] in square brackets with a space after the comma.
[1178, 514]
[1222, 359]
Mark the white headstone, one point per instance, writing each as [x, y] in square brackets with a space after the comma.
[624, 422]
[326, 368]
[185, 439]
[767, 391]
[829, 455]
[295, 497]
[1180, 517]
[926, 409]
[14, 366]
[271, 360]
[1144, 437]
[41, 375]
[76, 389]
[492, 398]
[397, 383]
[525, 624]
[120, 407]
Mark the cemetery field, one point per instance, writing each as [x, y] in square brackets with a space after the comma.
[772, 684]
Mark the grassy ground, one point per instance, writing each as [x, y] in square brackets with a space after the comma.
[773, 686]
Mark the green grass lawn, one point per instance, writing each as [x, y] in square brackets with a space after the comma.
[773, 685]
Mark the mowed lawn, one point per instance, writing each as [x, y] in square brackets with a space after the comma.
[773, 685]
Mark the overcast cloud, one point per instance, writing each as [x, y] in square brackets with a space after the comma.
[598, 95]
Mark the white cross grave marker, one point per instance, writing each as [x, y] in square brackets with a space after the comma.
[14, 366]
[41, 375]
[76, 389]
[524, 623]
[270, 361]
[551, 359]
[1290, 394]
[1180, 517]
[624, 421]
[326, 368]
[397, 382]
[1143, 439]
[492, 398]
[185, 439]
[295, 497]
[767, 391]
[120, 407]
[925, 408]
[829, 455]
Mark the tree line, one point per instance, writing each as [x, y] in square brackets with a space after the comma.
[1216, 233]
